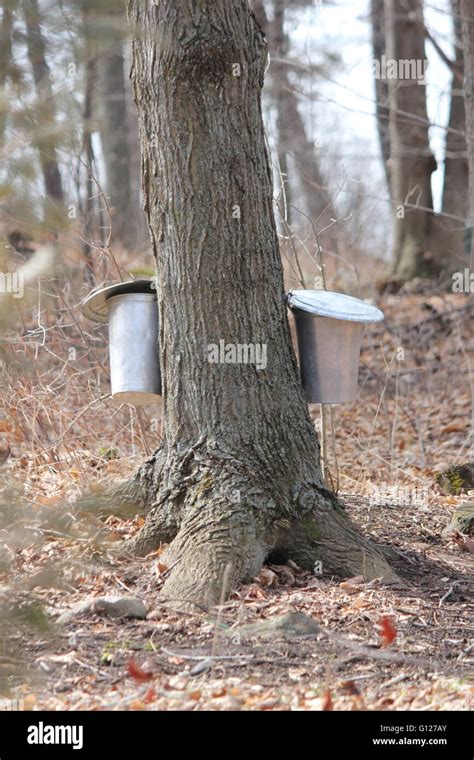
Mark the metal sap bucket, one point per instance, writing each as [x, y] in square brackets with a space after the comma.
[329, 329]
[131, 311]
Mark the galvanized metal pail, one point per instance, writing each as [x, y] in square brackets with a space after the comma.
[133, 348]
[131, 310]
[329, 329]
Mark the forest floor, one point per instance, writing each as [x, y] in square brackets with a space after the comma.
[405, 646]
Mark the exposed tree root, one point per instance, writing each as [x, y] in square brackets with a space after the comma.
[221, 527]
[125, 499]
[332, 545]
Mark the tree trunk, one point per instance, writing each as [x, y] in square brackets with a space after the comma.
[45, 137]
[411, 160]
[467, 16]
[319, 205]
[456, 171]
[381, 86]
[113, 133]
[280, 91]
[90, 215]
[291, 129]
[133, 139]
[5, 63]
[238, 476]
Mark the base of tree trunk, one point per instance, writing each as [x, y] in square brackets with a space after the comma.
[221, 526]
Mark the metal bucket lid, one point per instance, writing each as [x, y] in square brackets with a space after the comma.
[327, 303]
[95, 306]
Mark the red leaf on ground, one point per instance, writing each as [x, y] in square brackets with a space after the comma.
[137, 672]
[150, 696]
[388, 632]
[327, 705]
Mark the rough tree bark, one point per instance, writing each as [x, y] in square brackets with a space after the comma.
[467, 16]
[237, 478]
[45, 137]
[411, 160]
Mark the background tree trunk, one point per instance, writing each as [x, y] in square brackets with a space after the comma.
[6, 29]
[467, 16]
[45, 137]
[452, 255]
[238, 476]
[133, 137]
[411, 160]
[381, 86]
[89, 207]
[119, 131]
[113, 133]
[291, 129]
[298, 159]
[280, 94]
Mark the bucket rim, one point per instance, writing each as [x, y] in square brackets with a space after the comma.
[94, 306]
[148, 297]
[328, 303]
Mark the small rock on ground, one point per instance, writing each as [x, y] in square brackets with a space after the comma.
[113, 606]
[291, 626]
